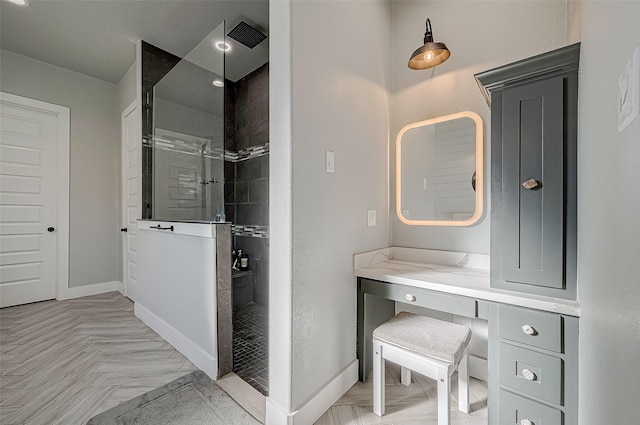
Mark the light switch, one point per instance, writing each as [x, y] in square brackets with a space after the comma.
[371, 218]
[329, 161]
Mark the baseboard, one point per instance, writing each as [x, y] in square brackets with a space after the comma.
[180, 342]
[319, 403]
[87, 290]
[275, 415]
[478, 367]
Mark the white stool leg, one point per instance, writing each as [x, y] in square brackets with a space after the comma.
[378, 379]
[463, 384]
[444, 402]
[405, 376]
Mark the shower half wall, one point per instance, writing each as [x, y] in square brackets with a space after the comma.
[245, 192]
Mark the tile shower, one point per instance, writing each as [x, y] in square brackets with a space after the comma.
[246, 201]
[247, 207]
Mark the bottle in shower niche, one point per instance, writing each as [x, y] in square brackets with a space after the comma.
[236, 259]
[244, 261]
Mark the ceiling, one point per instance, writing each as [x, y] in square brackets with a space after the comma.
[97, 37]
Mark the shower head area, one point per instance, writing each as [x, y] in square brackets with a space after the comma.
[205, 159]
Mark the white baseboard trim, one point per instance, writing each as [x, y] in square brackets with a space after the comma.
[203, 361]
[478, 367]
[87, 290]
[121, 288]
[275, 415]
[319, 403]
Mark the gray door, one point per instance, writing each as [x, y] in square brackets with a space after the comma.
[533, 183]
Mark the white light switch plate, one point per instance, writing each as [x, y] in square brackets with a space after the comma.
[329, 161]
[371, 218]
[629, 91]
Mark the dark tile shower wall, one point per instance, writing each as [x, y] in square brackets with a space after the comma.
[247, 180]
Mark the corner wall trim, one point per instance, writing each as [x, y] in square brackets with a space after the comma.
[208, 364]
[318, 404]
[87, 290]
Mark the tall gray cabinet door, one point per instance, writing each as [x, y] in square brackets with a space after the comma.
[533, 233]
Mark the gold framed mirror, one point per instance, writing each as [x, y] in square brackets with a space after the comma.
[440, 171]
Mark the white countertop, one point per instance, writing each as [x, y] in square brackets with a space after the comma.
[452, 273]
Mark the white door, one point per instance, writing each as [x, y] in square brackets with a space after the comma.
[131, 196]
[33, 216]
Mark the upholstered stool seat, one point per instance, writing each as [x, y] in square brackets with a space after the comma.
[428, 346]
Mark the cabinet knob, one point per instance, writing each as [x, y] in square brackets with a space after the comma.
[531, 184]
[410, 297]
[526, 422]
[529, 375]
[529, 330]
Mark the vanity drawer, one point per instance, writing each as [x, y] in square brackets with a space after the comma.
[516, 410]
[454, 304]
[536, 328]
[531, 372]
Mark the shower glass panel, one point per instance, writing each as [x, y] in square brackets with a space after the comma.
[188, 136]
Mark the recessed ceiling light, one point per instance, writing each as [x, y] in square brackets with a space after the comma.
[221, 45]
[218, 83]
[23, 3]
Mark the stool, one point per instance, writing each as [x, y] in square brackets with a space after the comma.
[431, 347]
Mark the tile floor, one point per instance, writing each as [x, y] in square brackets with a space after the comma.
[251, 345]
[412, 405]
[62, 362]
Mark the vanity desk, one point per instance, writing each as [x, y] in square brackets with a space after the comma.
[533, 339]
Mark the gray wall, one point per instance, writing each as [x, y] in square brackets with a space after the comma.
[608, 229]
[481, 35]
[94, 235]
[339, 103]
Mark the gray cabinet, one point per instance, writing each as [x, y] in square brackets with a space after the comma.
[533, 367]
[533, 172]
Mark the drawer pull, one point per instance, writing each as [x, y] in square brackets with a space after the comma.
[531, 184]
[529, 330]
[529, 375]
[526, 422]
[410, 297]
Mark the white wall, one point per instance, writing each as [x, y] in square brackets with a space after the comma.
[339, 81]
[481, 35]
[126, 90]
[608, 229]
[94, 236]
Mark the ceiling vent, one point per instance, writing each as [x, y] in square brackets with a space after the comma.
[247, 35]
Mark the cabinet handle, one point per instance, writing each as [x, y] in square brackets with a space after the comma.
[529, 330]
[531, 184]
[529, 375]
[526, 422]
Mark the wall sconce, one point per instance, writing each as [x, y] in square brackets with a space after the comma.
[431, 54]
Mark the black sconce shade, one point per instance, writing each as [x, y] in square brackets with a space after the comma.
[430, 54]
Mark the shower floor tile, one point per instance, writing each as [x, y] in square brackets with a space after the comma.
[251, 345]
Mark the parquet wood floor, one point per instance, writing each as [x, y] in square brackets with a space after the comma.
[416, 404]
[62, 362]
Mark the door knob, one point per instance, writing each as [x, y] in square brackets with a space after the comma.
[124, 229]
[51, 229]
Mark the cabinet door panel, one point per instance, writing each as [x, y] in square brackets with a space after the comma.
[533, 148]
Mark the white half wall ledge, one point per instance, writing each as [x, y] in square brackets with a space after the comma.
[318, 404]
[88, 290]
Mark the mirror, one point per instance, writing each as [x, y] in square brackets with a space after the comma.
[439, 171]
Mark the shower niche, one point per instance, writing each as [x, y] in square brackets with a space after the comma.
[205, 158]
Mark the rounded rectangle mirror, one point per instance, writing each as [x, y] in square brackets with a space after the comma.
[439, 171]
